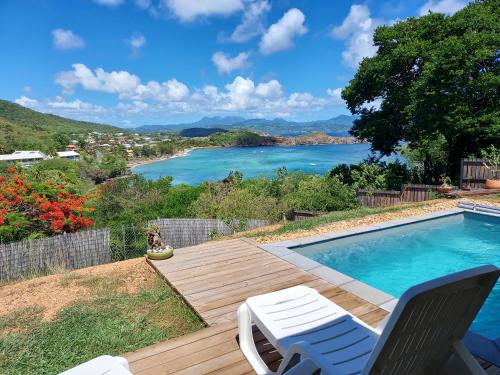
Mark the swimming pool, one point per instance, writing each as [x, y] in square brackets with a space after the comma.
[397, 258]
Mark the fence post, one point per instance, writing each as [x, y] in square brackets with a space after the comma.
[461, 183]
[124, 245]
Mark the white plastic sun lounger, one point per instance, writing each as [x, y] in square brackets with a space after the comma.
[422, 335]
[103, 365]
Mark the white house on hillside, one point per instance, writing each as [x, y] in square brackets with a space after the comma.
[24, 157]
[70, 155]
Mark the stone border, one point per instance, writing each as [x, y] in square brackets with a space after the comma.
[387, 302]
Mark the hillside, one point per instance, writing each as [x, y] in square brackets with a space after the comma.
[200, 132]
[337, 126]
[23, 128]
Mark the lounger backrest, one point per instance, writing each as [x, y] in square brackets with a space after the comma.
[418, 336]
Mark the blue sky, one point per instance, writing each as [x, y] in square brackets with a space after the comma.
[133, 62]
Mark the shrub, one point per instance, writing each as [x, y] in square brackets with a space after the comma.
[135, 199]
[33, 209]
[223, 202]
[319, 193]
[373, 175]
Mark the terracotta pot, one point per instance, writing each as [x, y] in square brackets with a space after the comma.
[492, 184]
[444, 189]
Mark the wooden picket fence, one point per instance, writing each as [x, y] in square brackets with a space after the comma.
[386, 198]
[474, 172]
[304, 214]
[378, 198]
[189, 232]
[69, 251]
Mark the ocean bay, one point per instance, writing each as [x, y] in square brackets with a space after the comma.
[215, 164]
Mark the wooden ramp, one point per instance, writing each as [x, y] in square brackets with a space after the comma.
[215, 278]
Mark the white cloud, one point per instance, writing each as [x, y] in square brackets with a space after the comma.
[66, 39]
[109, 3]
[189, 10]
[150, 7]
[270, 89]
[26, 102]
[169, 91]
[98, 80]
[73, 109]
[336, 96]
[357, 32]
[143, 4]
[226, 64]
[251, 23]
[241, 95]
[442, 6]
[136, 42]
[27, 89]
[73, 106]
[279, 36]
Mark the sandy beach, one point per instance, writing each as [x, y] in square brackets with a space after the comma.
[176, 154]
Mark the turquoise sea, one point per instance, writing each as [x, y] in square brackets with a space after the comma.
[215, 164]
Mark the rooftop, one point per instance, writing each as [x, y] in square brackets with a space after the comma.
[65, 154]
[23, 155]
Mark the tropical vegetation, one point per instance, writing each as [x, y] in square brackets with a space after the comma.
[432, 86]
[24, 129]
[34, 209]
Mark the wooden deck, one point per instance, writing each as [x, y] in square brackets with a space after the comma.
[215, 278]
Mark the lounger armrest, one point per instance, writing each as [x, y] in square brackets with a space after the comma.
[310, 361]
[380, 327]
[468, 361]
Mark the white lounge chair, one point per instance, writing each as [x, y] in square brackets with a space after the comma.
[422, 335]
[103, 365]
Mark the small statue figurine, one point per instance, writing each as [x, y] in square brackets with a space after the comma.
[156, 247]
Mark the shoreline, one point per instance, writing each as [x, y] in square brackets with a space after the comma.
[176, 154]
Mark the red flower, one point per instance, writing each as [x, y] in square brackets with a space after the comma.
[39, 207]
[11, 169]
[57, 225]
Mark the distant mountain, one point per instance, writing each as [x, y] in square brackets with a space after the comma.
[200, 132]
[218, 120]
[23, 128]
[336, 126]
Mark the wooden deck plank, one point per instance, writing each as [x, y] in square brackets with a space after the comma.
[215, 278]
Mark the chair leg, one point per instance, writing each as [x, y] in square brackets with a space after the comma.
[247, 344]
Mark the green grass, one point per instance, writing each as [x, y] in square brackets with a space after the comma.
[113, 323]
[331, 217]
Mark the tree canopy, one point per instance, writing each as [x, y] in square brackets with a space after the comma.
[433, 77]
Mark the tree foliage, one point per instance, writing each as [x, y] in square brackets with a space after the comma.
[32, 209]
[135, 200]
[433, 76]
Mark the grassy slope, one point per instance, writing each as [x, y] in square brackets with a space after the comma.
[21, 127]
[110, 323]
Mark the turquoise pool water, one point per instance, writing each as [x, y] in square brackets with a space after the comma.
[395, 259]
[215, 164]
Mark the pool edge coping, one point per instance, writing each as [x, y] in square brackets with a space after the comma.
[285, 250]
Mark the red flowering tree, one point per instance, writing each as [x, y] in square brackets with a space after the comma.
[38, 208]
